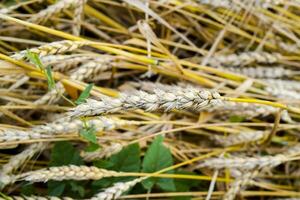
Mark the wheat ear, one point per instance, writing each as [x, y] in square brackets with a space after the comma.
[239, 184]
[160, 100]
[78, 16]
[70, 172]
[52, 10]
[52, 48]
[116, 190]
[241, 138]
[244, 58]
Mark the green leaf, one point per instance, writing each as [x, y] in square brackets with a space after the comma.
[63, 153]
[77, 188]
[127, 160]
[184, 185]
[156, 158]
[89, 133]
[28, 189]
[34, 59]
[84, 94]
[236, 118]
[50, 80]
[56, 188]
[92, 147]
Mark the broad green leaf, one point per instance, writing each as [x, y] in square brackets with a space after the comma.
[63, 153]
[77, 188]
[34, 59]
[85, 94]
[56, 188]
[156, 158]
[28, 189]
[92, 147]
[50, 80]
[127, 160]
[184, 185]
[89, 133]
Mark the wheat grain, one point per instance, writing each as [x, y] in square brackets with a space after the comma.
[70, 172]
[116, 190]
[282, 93]
[52, 10]
[52, 48]
[241, 138]
[9, 135]
[236, 5]
[105, 152]
[160, 100]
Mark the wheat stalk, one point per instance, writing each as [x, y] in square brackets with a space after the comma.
[159, 100]
[70, 172]
[53, 48]
[117, 190]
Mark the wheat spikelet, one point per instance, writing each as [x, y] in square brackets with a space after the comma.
[244, 59]
[16, 161]
[78, 15]
[52, 10]
[39, 198]
[261, 72]
[70, 172]
[116, 190]
[160, 100]
[52, 48]
[239, 184]
[105, 152]
[241, 138]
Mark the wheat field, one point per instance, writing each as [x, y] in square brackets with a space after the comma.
[149, 99]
